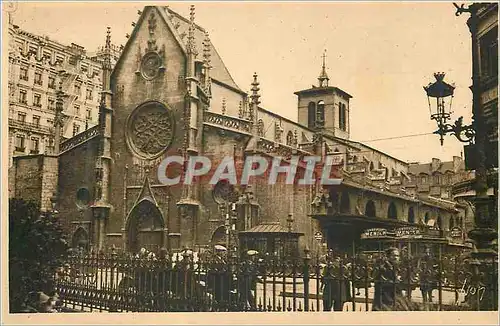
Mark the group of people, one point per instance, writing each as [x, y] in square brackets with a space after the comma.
[390, 284]
[40, 302]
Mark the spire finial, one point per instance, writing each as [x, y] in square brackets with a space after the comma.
[191, 47]
[206, 49]
[255, 90]
[108, 38]
[323, 76]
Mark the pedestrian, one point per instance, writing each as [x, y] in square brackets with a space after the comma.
[427, 269]
[387, 287]
[334, 284]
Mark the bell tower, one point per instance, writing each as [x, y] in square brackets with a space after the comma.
[324, 108]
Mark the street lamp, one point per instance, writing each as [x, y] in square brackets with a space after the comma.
[484, 260]
[440, 98]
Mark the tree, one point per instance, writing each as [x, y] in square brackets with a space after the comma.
[37, 246]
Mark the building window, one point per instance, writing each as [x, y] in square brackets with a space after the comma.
[423, 180]
[77, 110]
[52, 82]
[311, 115]
[289, 138]
[76, 129]
[37, 100]
[320, 113]
[50, 122]
[488, 45]
[23, 97]
[89, 94]
[36, 120]
[342, 116]
[20, 143]
[51, 103]
[89, 114]
[24, 73]
[78, 89]
[38, 78]
[35, 145]
[21, 117]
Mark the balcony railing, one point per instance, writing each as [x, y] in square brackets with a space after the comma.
[33, 127]
[228, 122]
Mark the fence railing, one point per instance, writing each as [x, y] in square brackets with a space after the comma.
[211, 282]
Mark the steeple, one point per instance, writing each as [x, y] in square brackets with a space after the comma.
[323, 76]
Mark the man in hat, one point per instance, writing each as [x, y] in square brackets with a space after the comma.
[427, 269]
[387, 288]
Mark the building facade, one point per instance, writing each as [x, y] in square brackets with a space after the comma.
[38, 66]
[170, 94]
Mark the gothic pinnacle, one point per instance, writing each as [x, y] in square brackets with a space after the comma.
[255, 90]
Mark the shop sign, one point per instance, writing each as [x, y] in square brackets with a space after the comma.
[374, 233]
[408, 232]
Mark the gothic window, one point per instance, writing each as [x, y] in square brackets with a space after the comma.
[370, 209]
[342, 116]
[320, 113]
[150, 129]
[311, 115]
[260, 128]
[82, 197]
[392, 212]
[289, 138]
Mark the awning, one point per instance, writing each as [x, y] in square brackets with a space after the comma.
[270, 228]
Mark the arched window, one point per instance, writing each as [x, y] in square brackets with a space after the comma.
[426, 218]
[342, 116]
[411, 215]
[392, 212]
[289, 138]
[371, 166]
[260, 128]
[311, 115]
[320, 113]
[370, 209]
[345, 204]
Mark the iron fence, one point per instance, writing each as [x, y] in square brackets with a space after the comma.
[119, 282]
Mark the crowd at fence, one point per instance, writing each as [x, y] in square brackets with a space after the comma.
[218, 280]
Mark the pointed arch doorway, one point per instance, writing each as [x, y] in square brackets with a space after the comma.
[145, 226]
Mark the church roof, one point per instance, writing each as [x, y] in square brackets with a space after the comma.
[219, 71]
[327, 89]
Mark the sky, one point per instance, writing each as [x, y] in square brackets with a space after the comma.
[382, 53]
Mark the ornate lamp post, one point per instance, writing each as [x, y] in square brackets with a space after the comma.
[484, 259]
[440, 96]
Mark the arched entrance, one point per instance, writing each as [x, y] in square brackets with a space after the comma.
[80, 239]
[370, 210]
[219, 236]
[145, 227]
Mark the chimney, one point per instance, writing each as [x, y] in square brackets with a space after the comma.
[435, 164]
[457, 163]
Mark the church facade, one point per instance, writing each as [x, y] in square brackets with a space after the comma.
[169, 94]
